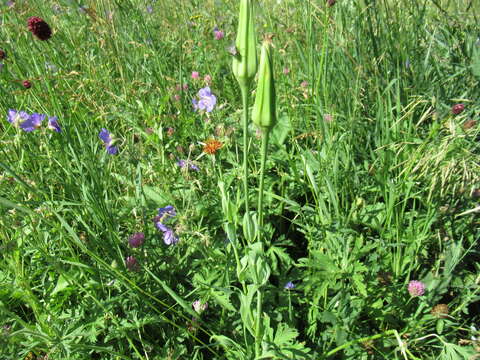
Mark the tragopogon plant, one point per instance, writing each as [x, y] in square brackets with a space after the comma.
[244, 68]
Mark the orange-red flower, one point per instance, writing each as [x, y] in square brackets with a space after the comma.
[211, 146]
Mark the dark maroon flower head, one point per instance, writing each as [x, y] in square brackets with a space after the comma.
[457, 109]
[3, 54]
[27, 84]
[136, 240]
[331, 2]
[38, 27]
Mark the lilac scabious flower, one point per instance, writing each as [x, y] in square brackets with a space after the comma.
[199, 307]
[206, 100]
[53, 124]
[169, 237]
[34, 122]
[136, 240]
[289, 286]
[108, 141]
[416, 288]
[185, 164]
[149, 9]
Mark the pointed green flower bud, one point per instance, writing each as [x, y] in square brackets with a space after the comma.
[264, 110]
[245, 60]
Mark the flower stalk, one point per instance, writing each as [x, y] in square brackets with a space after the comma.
[244, 66]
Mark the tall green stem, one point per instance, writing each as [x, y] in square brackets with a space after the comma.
[258, 326]
[265, 137]
[245, 145]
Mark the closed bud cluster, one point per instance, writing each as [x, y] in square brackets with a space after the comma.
[264, 110]
[245, 61]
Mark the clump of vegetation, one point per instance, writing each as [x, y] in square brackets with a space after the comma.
[174, 187]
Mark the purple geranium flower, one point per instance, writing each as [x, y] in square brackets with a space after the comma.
[167, 211]
[23, 120]
[34, 122]
[108, 141]
[53, 124]
[206, 100]
[185, 163]
[16, 118]
[169, 237]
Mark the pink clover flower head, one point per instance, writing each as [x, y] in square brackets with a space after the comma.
[195, 75]
[304, 84]
[207, 79]
[199, 307]
[206, 102]
[416, 288]
[219, 34]
[136, 240]
[457, 109]
[131, 263]
[286, 70]
[108, 141]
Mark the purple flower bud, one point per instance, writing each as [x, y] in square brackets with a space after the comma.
[457, 109]
[131, 263]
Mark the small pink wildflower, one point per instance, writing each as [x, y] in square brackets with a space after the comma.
[416, 288]
[286, 70]
[304, 84]
[219, 34]
[199, 307]
[195, 75]
[207, 79]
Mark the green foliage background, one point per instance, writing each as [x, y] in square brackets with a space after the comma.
[371, 182]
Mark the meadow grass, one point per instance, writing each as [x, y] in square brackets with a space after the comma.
[372, 181]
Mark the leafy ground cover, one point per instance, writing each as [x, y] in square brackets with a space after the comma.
[122, 229]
